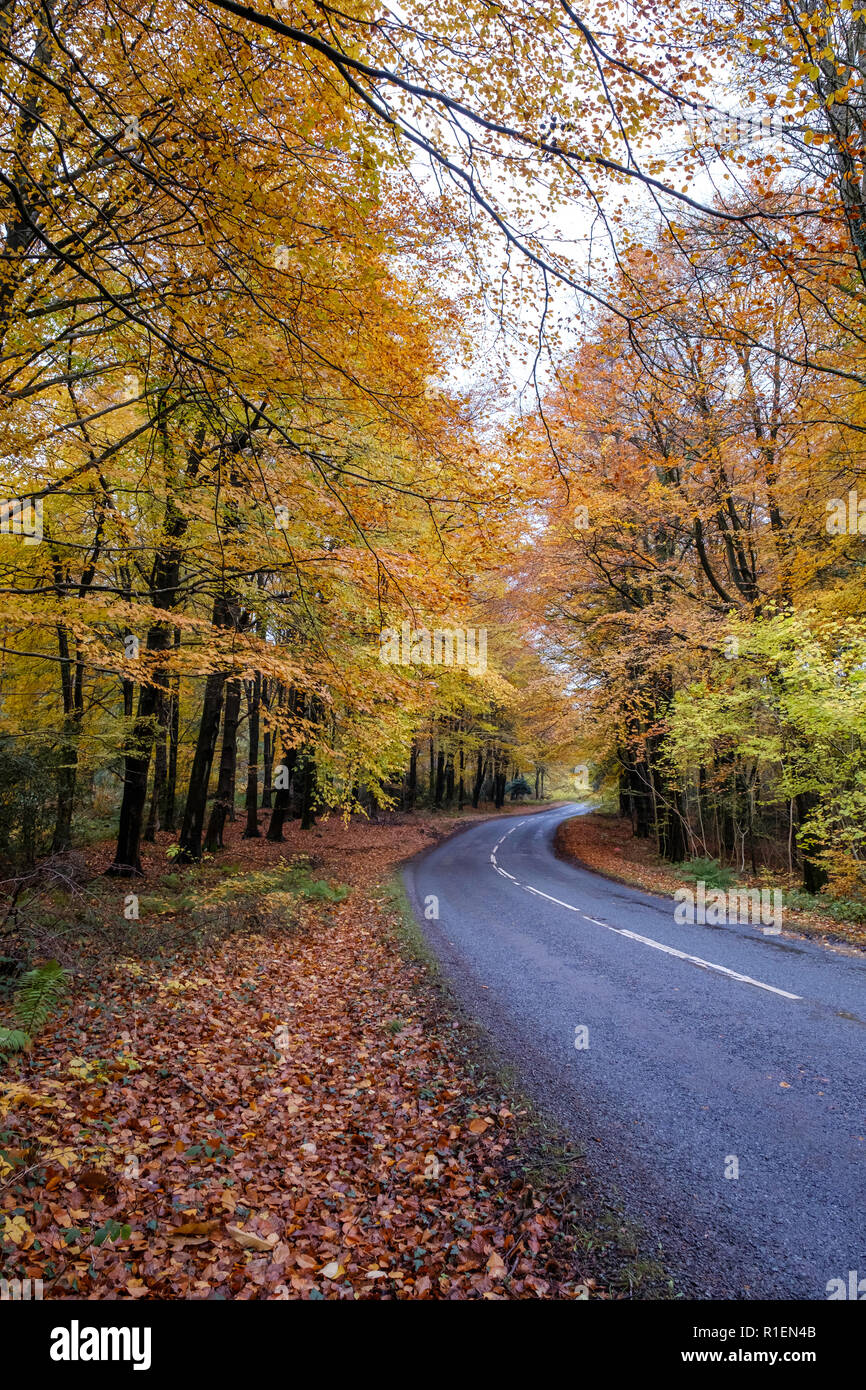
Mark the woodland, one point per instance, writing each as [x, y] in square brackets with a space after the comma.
[515, 317]
[257, 267]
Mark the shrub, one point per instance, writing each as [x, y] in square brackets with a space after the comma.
[708, 871]
[25, 806]
[38, 994]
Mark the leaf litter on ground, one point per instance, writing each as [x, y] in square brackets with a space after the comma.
[281, 1111]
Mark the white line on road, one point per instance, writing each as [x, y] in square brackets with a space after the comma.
[635, 936]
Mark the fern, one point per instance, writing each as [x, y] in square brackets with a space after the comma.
[38, 995]
[13, 1040]
[710, 871]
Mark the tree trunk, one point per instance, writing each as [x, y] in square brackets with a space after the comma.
[165, 581]
[498, 783]
[641, 800]
[440, 778]
[672, 843]
[479, 779]
[308, 787]
[72, 688]
[268, 771]
[159, 771]
[814, 876]
[199, 779]
[136, 765]
[170, 797]
[254, 693]
[625, 797]
[411, 790]
[283, 799]
[67, 776]
[228, 761]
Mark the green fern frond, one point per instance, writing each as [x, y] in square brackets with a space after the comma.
[38, 995]
[13, 1040]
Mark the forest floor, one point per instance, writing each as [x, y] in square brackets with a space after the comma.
[260, 1088]
[605, 843]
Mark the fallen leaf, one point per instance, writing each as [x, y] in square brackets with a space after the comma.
[92, 1179]
[250, 1241]
[15, 1229]
[195, 1228]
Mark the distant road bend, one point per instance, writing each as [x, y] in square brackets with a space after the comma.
[706, 1044]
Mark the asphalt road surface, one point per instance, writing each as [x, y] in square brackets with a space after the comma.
[706, 1044]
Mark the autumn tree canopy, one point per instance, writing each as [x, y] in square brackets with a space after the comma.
[322, 324]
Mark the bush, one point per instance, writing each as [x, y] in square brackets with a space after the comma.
[26, 787]
[708, 871]
[838, 909]
[37, 996]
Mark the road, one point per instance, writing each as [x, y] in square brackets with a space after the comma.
[705, 1044]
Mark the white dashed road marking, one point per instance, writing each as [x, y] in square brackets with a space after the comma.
[635, 936]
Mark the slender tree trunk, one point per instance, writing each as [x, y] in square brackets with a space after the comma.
[72, 690]
[67, 758]
[231, 816]
[672, 844]
[136, 765]
[254, 693]
[72, 682]
[170, 798]
[814, 876]
[641, 798]
[498, 782]
[159, 770]
[228, 760]
[412, 781]
[626, 807]
[67, 777]
[308, 787]
[190, 839]
[440, 778]
[225, 615]
[268, 771]
[479, 779]
[283, 800]
[165, 581]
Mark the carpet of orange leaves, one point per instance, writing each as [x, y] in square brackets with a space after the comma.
[286, 1114]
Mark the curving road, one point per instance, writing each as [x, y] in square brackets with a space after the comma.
[706, 1044]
